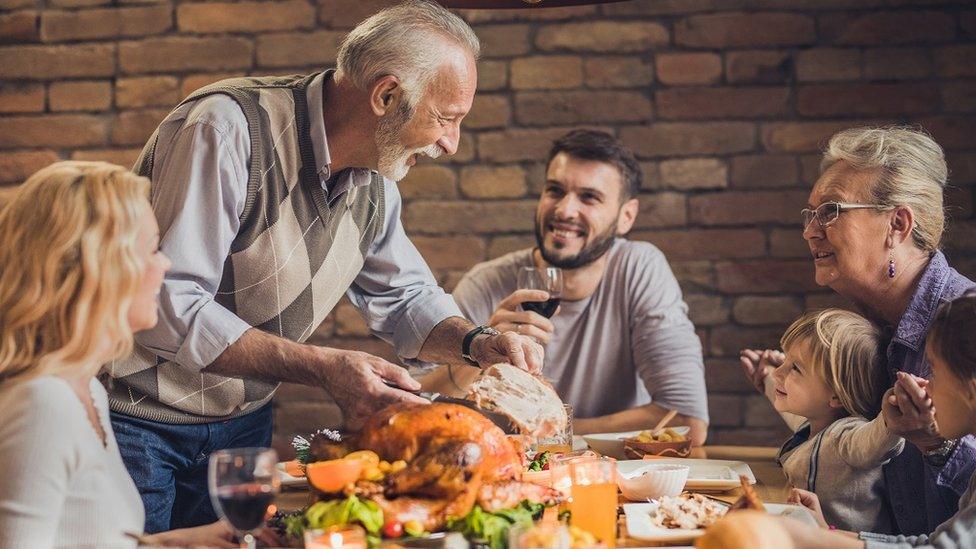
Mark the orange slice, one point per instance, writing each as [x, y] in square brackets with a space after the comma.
[294, 468]
[333, 475]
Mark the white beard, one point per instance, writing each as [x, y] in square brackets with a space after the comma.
[393, 156]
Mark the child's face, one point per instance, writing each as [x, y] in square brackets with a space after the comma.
[799, 390]
[952, 398]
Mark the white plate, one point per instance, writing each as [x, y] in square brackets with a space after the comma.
[639, 525]
[705, 475]
[288, 480]
[612, 444]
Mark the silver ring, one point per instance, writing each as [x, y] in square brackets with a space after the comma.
[518, 328]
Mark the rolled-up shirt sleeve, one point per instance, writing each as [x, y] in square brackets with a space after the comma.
[395, 290]
[666, 350]
[198, 192]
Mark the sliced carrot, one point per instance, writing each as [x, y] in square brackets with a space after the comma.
[333, 475]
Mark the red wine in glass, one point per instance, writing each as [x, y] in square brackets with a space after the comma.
[547, 279]
[245, 505]
[545, 308]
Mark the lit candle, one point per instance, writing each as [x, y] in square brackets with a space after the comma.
[337, 537]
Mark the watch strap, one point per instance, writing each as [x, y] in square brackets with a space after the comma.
[469, 338]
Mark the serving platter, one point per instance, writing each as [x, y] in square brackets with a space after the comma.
[640, 526]
[705, 475]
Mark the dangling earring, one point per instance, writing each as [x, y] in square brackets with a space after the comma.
[891, 266]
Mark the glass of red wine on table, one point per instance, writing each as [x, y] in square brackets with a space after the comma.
[547, 279]
[243, 483]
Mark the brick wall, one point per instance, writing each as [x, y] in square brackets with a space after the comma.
[725, 102]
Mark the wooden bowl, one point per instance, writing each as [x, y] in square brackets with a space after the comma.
[637, 449]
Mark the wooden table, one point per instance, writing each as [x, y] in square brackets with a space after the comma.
[771, 485]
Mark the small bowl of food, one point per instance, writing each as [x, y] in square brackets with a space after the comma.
[612, 444]
[667, 442]
[653, 481]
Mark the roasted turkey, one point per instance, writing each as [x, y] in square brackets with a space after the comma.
[455, 458]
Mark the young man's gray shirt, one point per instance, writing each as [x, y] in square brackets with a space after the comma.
[628, 344]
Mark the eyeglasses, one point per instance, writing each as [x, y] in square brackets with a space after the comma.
[828, 212]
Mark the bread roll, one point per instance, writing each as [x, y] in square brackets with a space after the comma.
[746, 530]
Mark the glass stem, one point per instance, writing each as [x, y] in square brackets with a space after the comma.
[248, 541]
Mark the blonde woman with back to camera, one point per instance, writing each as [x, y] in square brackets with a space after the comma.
[80, 273]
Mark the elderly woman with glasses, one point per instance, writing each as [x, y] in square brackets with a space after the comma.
[874, 224]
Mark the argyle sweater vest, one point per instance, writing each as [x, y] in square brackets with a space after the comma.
[293, 258]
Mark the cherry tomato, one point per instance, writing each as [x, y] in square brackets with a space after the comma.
[392, 529]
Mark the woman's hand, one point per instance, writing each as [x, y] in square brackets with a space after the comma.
[908, 412]
[810, 501]
[758, 364]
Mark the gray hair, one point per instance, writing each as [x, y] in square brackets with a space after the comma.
[911, 171]
[406, 41]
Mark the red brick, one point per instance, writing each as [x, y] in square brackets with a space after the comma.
[74, 3]
[193, 82]
[747, 207]
[706, 310]
[428, 181]
[694, 103]
[961, 238]
[55, 131]
[665, 209]
[750, 436]
[962, 168]
[801, 136]
[574, 107]
[884, 28]
[19, 27]
[728, 340]
[660, 7]
[959, 96]
[344, 14]
[135, 127]
[724, 410]
[825, 64]
[173, 54]
[761, 277]
[674, 138]
[760, 171]
[516, 144]
[725, 375]
[760, 413]
[465, 151]
[694, 173]
[492, 75]
[956, 61]
[867, 99]
[6, 5]
[788, 243]
[501, 245]
[602, 36]
[547, 72]
[56, 62]
[745, 29]
[758, 67]
[617, 72]
[504, 40]
[21, 97]
[122, 157]
[682, 69]
[451, 252]
[652, 177]
[147, 91]
[17, 166]
[80, 96]
[549, 14]
[952, 132]
[810, 168]
[687, 244]
[488, 111]
[897, 63]
[959, 202]
[694, 275]
[493, 182]
[430, 217]
[297, 49]
[827, 300]
[766, 310]
[60, 26]
[249, 17]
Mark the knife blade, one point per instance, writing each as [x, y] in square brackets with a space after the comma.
[501, 420]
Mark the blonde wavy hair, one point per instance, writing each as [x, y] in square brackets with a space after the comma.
[911, 169]
[70, 268]
[846, 352]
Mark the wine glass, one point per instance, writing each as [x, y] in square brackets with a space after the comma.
[243, 483]
[548, 279]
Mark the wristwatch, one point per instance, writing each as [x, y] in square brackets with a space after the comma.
[938, 456]
[469, 337]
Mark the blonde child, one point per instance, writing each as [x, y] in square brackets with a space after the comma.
[828, 387]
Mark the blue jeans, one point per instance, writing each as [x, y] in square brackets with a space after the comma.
[168, 462]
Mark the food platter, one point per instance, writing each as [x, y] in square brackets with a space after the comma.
[705, 475]
[641, 526]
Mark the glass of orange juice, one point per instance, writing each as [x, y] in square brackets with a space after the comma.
[590, 484]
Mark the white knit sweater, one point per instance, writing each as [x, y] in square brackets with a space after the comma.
[59, 486]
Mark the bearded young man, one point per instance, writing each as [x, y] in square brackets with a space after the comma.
[620, 348]
[275, 196]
